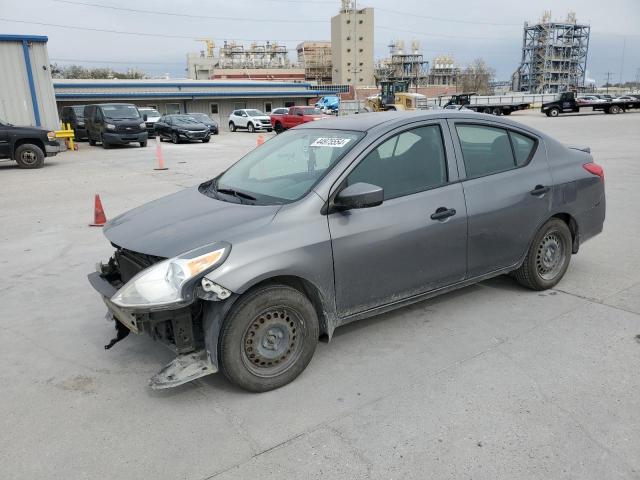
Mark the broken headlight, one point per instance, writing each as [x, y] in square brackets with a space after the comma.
[163, 283]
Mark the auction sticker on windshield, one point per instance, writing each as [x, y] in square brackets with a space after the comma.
[330, 142]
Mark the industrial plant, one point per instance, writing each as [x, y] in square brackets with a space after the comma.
[554, 56]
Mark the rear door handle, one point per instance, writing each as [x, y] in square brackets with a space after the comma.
[539, 190]
[442, 213]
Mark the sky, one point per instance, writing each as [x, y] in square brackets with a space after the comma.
[465, 29]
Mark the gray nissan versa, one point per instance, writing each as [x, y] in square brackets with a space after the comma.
[340, 220]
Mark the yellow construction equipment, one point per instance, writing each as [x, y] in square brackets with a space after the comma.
[210, 45]
[66, 133]
[395, 96]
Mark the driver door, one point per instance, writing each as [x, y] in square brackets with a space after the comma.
[416, 240]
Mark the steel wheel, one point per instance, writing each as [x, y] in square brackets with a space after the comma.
[28, 157]
[268, 337]
[272, 342]
[550, 256]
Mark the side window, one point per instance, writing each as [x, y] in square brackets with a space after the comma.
[410, 162]
[522, 147]
[485, 149]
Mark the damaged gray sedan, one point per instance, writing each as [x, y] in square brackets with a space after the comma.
[340, 220]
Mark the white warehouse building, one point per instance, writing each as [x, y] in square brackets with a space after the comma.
[215, 98]
[26, 89]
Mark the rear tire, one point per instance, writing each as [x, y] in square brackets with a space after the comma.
[92, 142]
[268, 338]
[143, 144]
[497, 111]
[29, 155]
[614, 109]
[548, 257]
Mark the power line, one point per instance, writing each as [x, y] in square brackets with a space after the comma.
[187, 15]
[122, 32]
[450, 20]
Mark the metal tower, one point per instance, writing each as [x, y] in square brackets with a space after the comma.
[554, 56]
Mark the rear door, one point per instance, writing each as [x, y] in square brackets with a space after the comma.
[507, 187]
[406, 245]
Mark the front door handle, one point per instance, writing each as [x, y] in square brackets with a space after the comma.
[539, 190]
[442, 213]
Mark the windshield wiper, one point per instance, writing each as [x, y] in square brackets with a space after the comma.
[236, 193]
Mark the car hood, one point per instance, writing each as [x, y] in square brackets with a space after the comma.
[183, 221]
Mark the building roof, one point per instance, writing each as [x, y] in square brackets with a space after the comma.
[23, 38]
[181, 89]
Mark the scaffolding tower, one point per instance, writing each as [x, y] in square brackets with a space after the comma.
[554, 56]
[401, 65]
[315, 58]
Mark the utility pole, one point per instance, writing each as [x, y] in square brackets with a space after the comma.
[608, 74]
[354, 69]
[624, 45]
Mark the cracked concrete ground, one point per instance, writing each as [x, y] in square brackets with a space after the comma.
[489, 382]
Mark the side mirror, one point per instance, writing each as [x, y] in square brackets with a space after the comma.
[144, 117]
[359, 195]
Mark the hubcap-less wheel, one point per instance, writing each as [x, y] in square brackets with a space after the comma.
[550, 256]
[272, 342]
[174, 138]
[29, 157]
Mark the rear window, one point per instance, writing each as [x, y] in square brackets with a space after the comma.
[487, 150]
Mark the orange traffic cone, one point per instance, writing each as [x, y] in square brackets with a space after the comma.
[99, 218]
[260, 140]
[159, 155]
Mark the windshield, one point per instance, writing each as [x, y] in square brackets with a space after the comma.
[201, 117]
[79, 110]
[120, 112]
[184, 119]
[286, 167]
[311, 111]
[151, 112]
[254, 113]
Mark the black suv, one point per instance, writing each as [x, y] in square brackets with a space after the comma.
[74, 115]
[27, 145]
[114, 124]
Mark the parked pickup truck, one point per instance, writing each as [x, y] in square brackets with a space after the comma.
[27, 145]
[566, 103]
[296, 116]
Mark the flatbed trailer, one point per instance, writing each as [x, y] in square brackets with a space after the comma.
[566, 103]
[494, 104]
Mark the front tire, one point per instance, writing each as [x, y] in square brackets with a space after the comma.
[205, 140]
[251, 128]
[548, 257]
[174, 138]
[232, 126]
[143, 144]
[554, 112]
[268, 338]
[29, 156]
[279, 128]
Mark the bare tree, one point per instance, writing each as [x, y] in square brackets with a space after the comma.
[476, 77]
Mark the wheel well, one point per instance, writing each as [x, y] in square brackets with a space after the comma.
[573, 228]
[33, 141]
[308, 289]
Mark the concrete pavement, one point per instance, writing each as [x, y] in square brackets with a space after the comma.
[489, 382]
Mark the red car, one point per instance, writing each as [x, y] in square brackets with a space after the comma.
[295, 116]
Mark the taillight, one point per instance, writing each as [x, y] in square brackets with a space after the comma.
[594, 169]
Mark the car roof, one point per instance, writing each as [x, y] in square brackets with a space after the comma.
[363, 122]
